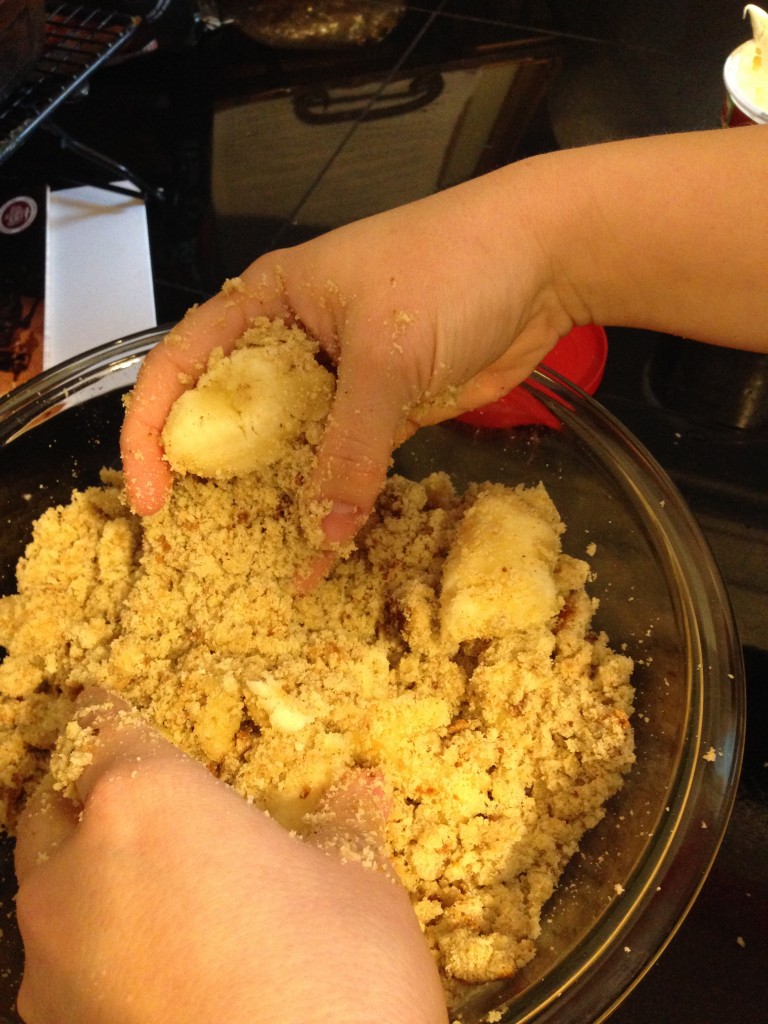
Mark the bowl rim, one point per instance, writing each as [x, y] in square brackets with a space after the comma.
[707, 776]
[627, 938]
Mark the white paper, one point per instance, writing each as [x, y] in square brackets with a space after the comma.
[98, 271]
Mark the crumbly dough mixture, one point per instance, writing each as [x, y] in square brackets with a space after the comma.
[452, 652]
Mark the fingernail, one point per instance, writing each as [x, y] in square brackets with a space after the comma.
[342, 522]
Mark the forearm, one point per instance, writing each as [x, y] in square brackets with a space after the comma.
[447, 303]
[666, 233]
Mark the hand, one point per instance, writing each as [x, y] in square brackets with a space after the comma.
[445, 304]
[160, 896]
[419, 307]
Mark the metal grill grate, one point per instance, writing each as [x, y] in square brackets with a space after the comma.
[77, 40]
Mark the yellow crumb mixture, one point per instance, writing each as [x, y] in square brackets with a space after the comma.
[451, 651]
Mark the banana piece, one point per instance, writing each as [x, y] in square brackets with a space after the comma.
[498, 576]
[247, 407]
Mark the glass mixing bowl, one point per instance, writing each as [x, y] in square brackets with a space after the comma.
[661, 598]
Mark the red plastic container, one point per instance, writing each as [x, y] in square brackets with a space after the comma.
[579, 355]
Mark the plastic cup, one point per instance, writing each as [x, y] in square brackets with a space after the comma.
[738, 109]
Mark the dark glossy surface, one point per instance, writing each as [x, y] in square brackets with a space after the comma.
[598, 70]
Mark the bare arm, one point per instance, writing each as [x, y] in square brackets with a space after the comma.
[445, 304]
[675, 229]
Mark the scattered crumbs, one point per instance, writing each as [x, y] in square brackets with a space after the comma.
[27, 497]
[401, 321]
[494, 1017]
[627, 949]
[618, 889]
[662, 503]
[710, 755]
[591, 549]
[740, 942]
[233, 284]
[704, 824]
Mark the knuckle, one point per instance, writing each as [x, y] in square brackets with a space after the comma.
[120, 804]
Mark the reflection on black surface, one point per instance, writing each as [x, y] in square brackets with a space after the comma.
[714, 969]
[721, 387]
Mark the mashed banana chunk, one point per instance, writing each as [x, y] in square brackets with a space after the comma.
[452, 651]
[248, 407]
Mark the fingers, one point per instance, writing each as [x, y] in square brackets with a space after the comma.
[175, 365]
[45, 824]
[309, 576]
[382, 930]
[383, 368]
[378, 381]
[115, 741]
[352, 463]
[352, 819]
[379, 368]
[168, 370]
[50, 817]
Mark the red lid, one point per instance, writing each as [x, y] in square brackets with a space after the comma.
[579, 356]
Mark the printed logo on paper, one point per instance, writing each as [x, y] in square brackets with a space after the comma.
[17, 214]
